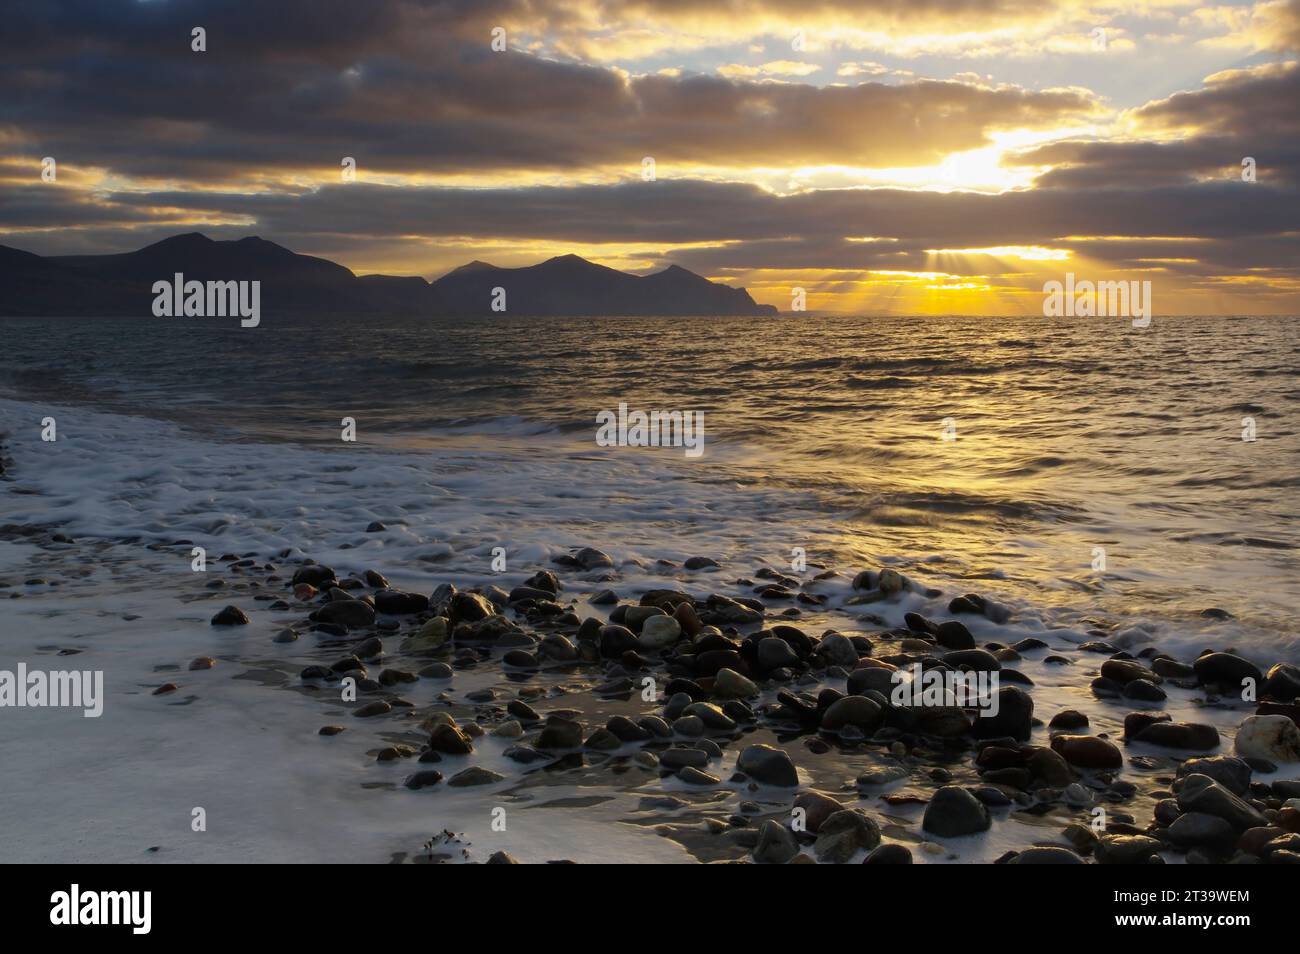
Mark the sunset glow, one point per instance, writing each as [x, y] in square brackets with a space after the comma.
[751, 145]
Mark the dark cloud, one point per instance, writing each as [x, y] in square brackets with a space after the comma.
[414, 88]
[1240, 225]
[1202, 134]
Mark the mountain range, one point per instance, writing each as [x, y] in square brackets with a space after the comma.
[121, 284]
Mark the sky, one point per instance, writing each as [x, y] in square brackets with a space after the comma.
[888, 157]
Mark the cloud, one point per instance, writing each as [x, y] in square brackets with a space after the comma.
[774, 68]
[140, 103]
[153, 138]
[1201, 134]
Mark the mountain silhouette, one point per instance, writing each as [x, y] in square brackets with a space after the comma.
[122, 284]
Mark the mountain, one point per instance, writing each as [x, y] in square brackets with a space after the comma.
[569, 285]
[122, 284]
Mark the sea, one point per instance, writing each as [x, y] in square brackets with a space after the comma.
[1089, 475]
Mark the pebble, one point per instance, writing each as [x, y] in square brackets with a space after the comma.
[1126, 850]
[954, 635]
[729, 684]
[602, 740]
[889, 855]
[1272, 737]
[838, 650]
[560, 733]
[347, 612]
[230, 616]
[977, 660]
[659, 632]
[510, 729]
[1143, 690]
[859, 711]
[1200, 793]
[450, 739]
[1193, 736]
[688, 725]
[1282, 682]
[700, 563]
[474, 775]
[768, 765]
[1233, 774]
[1014, 718]
[423, 779]
[1088, 751]
[615, 640]
[589, 558]
[774, 653]
[883, 775]
[953, 811]
[775, 845]
[1068, 719]
[464, 607]
[816, 808]
[693, 776]
[1125, 671]
[844, 834]
[1226, 671]
[711, 716]
[1077, 796]
[1199, 828]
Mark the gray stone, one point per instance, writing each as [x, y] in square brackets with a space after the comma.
[844, 834]
[776, 845]
[774, 652]
[953, 812]
[659, 632]
[1127, 850]
[729, 684]
[837, 649]
[1200, 793]
[1274, 738]
[1198, 828]
[560, 733]
[768, 765]
[858, 711]
[1233, 774]
[1227, 671]
[589, 558]
[474, 775]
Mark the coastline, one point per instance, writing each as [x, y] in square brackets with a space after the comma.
[281, 791]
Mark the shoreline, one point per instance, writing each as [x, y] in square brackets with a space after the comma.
[507, 698]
